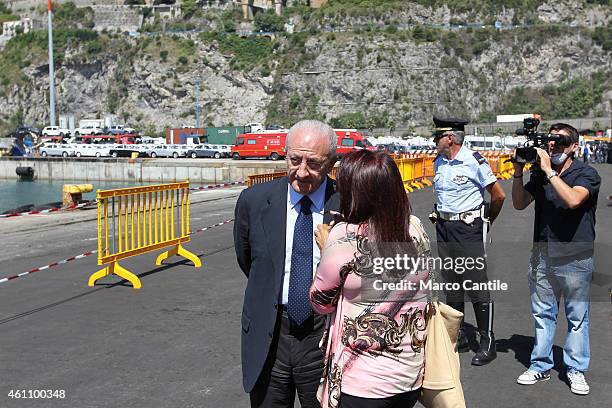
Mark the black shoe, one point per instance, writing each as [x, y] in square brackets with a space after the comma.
[463, 343]
[484, 319]
[486, 352]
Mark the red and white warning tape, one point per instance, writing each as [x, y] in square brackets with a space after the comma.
[212, 226]
[213, 186]
[42, 268]
[76, 207]
[88, 253]
[49, 210]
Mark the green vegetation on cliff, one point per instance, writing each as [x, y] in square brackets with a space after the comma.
[6, 15]
[573, 98]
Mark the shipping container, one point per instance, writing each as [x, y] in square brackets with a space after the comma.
[186, 135]
[224, 135]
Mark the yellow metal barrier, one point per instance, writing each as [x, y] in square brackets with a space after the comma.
[415, 169]
[506, 167]
[262, 178]
[412, 171]
[133, 221]
[429, 167]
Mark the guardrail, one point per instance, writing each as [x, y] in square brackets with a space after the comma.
[415, 168]
[134, 221]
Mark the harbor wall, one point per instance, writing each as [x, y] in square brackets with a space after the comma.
[139, 170]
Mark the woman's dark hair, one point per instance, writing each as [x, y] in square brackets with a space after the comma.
[372, 192]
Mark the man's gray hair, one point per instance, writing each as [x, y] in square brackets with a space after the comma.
[459, 136]
[316, 127]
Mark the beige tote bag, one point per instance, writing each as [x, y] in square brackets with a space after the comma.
[442, 382]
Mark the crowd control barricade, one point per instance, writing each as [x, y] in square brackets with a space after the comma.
[429, 164]
[263, 178]
[506, 166]
[494, 164]
[133, 221]
[412, 171]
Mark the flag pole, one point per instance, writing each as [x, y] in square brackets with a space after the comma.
[51, 67]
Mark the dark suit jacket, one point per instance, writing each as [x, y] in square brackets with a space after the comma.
[259, 240]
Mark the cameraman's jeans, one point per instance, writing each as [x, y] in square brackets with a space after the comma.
[549, 281]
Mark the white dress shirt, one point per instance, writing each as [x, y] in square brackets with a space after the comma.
[317, 207]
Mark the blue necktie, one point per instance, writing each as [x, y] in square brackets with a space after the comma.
[300, 278]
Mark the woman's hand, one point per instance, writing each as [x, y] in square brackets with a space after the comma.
[321, 234]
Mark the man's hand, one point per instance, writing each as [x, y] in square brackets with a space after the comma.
[322, 233]
[518, 167]
[544, 160]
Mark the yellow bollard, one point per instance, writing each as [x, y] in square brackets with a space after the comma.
[73, 193]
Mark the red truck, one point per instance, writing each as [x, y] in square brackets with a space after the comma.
[271, 144]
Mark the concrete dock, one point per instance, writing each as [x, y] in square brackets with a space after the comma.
[176, 341]
[157, 170]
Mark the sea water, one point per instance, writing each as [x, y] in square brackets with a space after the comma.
[17, 193]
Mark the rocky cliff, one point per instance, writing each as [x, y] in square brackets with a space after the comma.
[392, 75]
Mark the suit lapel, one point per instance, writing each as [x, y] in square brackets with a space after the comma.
[332, 201]
[274, 222]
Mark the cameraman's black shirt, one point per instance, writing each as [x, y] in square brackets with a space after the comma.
[565, 232]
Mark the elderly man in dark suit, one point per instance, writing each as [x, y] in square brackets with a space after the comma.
[276, 250]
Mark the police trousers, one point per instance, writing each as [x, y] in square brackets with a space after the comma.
[462, 259]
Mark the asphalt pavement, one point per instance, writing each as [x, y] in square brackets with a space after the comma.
[176, 341]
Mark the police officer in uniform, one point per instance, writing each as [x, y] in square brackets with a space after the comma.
[461, 177]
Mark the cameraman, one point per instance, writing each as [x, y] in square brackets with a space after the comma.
[565, 193]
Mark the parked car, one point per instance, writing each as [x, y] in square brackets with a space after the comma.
[180, 150]
[55, 131]
[91, 150]
[120, 130]
[170, 150]
[160, 151]
[26, 130]
[225, 150]
[204, 151]
[394, 149]
[88, 130]
[126, 150]
[56, 149]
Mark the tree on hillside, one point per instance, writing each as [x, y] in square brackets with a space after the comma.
[269, 22]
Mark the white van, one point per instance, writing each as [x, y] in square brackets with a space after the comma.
[483, 142]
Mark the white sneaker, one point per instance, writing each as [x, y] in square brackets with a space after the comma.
[578, 384]
[531, 377]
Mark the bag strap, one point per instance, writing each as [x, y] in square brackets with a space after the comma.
[432, 297]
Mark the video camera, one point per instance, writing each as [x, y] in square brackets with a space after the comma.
[527, 153]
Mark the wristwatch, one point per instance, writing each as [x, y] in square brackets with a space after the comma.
[552, 174]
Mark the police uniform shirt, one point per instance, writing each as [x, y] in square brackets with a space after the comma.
[460, 183]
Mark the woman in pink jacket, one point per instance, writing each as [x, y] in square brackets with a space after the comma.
[369, 284]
